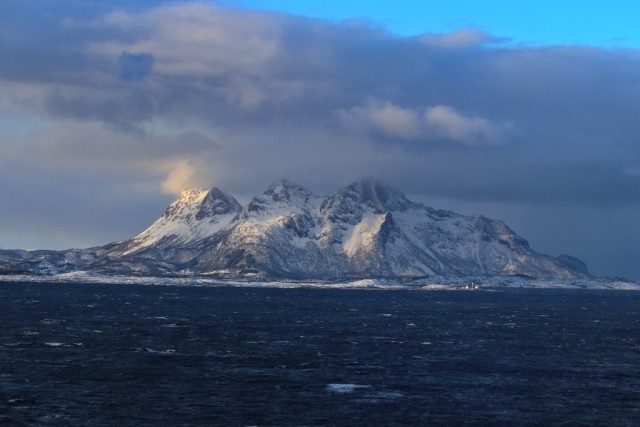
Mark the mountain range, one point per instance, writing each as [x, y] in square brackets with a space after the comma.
[364, 230]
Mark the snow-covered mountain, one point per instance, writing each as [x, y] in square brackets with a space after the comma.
[364, 230]
[195, 215]
[367, 229]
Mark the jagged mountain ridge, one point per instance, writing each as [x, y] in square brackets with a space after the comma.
[364, 230]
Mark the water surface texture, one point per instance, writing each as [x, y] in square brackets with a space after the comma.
[87, 354]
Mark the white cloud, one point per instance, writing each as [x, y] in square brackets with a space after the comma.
[397, 121]
[446, 122]
[438, 122]
[392, 120]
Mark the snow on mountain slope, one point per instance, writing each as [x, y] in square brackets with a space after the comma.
[364, 230]
[194, 216]
[362, 235]
[274, 234]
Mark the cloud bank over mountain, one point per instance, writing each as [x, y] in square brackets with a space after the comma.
[116, 105]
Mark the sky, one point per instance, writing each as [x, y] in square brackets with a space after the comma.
[522, 112]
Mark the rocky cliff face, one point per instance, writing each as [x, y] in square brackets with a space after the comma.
[364, 230]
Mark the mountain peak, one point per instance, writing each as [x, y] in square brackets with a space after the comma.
[201, 203]
[186, 203]
[379, 197]
[217, 202]
[196, 214]
[284, 190]
[190, 195]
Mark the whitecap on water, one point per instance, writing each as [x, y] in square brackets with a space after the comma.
[345, 388]
[53, 418]
[170, 325]
[151, 350]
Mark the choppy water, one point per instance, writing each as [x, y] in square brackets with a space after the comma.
[147, 355]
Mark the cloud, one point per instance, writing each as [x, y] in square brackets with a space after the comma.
[135, 66]
[436, 123]
[447, 122]
[391, 119]
[259, 78]
[179, 177]
[464, 38]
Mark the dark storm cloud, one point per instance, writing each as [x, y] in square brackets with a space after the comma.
[561, 117]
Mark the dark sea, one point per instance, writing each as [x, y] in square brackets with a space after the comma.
[127, 355]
